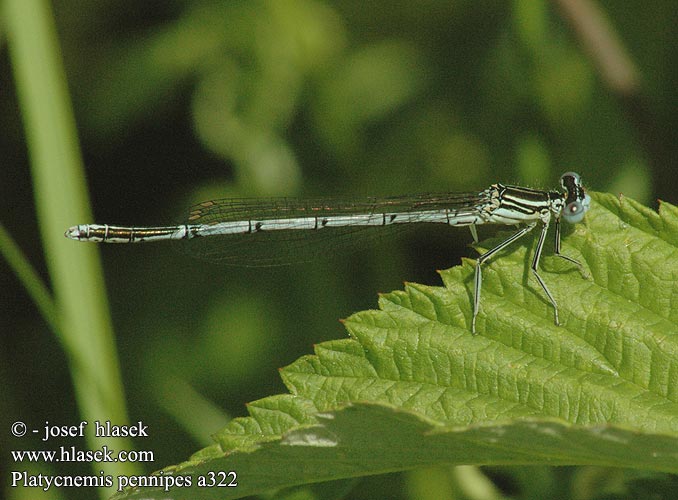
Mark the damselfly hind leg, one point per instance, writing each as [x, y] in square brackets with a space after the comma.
[484, 258]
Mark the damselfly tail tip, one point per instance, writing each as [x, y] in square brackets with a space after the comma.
[74, 233]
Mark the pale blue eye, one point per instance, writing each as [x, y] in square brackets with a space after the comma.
[574, 211]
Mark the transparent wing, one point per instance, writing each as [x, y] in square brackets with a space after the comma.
[236, 209]
[281, 247]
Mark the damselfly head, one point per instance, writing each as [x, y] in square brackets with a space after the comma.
[577, 201]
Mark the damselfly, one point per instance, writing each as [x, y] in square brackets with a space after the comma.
[215, 226]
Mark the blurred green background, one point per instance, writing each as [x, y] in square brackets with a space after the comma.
[181, 101]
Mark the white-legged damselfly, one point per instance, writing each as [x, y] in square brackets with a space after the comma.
[215, 226]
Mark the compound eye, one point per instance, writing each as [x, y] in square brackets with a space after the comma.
[574, 212]
[567, 175]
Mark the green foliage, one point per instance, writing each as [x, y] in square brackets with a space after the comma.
[412, 387]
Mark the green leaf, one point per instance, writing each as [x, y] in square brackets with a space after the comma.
[413, 387]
